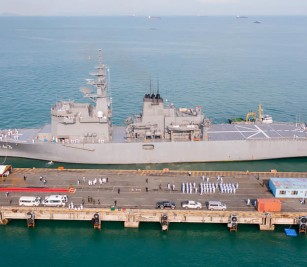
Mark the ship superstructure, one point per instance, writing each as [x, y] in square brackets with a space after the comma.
[84, 123]
[158, 122]
[81, 122]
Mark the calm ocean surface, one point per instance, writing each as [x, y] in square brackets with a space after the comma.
[226, 65]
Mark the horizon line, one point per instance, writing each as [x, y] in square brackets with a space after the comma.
[155, 16]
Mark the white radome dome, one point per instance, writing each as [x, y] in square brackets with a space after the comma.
[99, 114]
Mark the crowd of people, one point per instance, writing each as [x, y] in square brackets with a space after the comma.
[209, 187]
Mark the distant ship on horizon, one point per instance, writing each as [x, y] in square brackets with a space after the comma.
[154, 17]
[241, 17]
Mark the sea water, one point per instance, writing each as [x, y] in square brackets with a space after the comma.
[226, 65]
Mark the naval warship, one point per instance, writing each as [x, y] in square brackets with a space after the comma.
[83, 133]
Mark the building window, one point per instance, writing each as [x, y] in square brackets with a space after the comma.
[294, 192]
[282, 192]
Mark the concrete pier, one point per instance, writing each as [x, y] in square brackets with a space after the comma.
[131, 196]
[133, 217]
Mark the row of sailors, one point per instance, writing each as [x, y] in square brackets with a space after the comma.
[189, 188]
[207, 188]
[228, 188]
[211, 184]
[219, 178]
[75, 141]
[194, 185]
[9, 134]
[67, 141]
[94, 182]
[71, 206]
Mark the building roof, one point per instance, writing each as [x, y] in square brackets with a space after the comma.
[289, 183]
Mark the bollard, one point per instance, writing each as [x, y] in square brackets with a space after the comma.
[164, 222]
[303, 224]
[233, 223]
[31, 219]
[96, 221]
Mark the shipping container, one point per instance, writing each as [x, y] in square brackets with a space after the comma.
[268, 204]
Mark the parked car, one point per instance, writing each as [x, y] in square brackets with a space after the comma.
[190, 204]
[55, 201]
[165, 205]
[216, 205]
[29, 201]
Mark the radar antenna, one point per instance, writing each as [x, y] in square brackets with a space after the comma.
[86, 90]
[101, 83]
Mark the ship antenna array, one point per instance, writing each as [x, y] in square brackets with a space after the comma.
[109, 86]
[100, 56]
[150, 86]
[101, 83]
[101, 68]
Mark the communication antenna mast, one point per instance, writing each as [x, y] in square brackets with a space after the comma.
[150, 86]
[260, 112]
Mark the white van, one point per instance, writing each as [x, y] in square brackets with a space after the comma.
[29, 201]
[216, 205]
[55, 201]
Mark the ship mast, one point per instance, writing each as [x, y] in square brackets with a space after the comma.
[101, 85]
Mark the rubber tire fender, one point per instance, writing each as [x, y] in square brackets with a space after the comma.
[234, 219]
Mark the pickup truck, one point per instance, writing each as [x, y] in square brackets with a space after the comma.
[190, 204]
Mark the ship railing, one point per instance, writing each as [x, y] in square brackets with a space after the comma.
[298, 138]
[73, 141]
[141, 140]
[93, 119]
[95, 140]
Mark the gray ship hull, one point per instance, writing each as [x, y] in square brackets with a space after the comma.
[158, 152]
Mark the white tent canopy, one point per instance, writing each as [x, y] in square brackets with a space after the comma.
[5, 170]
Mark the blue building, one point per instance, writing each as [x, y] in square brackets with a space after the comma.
[289, 187]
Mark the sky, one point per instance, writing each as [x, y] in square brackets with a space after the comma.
[152, 7]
